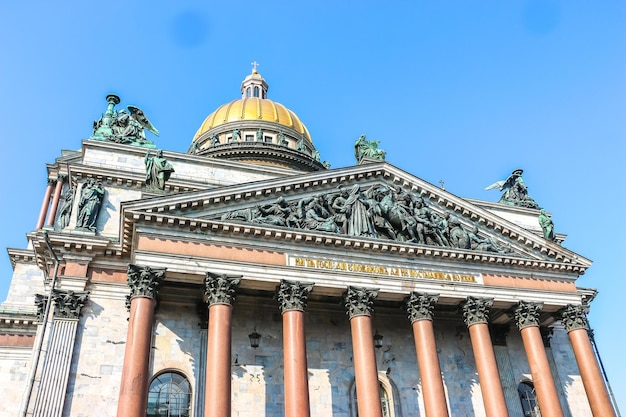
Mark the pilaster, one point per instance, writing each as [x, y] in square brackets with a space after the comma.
[50, 397]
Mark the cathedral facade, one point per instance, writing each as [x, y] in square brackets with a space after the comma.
[247, 278]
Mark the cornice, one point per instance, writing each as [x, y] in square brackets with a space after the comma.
[18, 322]
[16, 256]
[70, 245]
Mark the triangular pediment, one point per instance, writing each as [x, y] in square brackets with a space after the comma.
[374, 206]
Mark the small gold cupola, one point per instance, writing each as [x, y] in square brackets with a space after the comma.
[254, 85]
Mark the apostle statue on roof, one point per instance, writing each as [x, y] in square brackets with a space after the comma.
[368, 149]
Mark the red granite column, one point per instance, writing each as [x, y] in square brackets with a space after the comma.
[420, 308]
[144, 283]
[219, 293]
[476, 316]
[527, 320]
[292, 297]
[45, 204]
[575, 321]
[359, 304]
[55, 200]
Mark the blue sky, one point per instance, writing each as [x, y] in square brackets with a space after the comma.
[459, 91]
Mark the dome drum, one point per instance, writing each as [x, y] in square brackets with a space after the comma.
[264, 153]
[253, 131]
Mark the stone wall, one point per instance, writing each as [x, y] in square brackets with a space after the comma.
[14, 368]
[26, 282]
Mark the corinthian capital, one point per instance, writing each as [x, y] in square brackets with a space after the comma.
[574, 318]
[67, 304]
[292, 295]
[476, 310]
[41, 302]
[527, 314]
[144, 281]
[420, 306]
[359, 301]
[220, 288]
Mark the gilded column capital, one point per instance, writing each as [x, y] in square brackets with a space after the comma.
[527, 314]
[476, 310]
[574, 317]
[68, 303]
[420, 306]
[144, 281]
[359, 301]
[292, 295]
[220, 288]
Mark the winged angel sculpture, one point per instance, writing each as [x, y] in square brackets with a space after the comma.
[515, 191]
[127, 127]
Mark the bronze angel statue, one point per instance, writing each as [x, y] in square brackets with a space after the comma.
[123, 126]
[515, 191]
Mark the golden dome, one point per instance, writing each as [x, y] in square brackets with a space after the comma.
[253, 109]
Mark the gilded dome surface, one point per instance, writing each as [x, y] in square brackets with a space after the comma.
[253, 109]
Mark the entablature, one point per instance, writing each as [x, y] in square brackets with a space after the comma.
[202, 210]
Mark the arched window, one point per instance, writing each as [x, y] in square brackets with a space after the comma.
[256, 91]
[388, 397]
[248, 92]
[169, 396]
[528, 397]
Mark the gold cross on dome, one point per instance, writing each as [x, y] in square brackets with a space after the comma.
[254, 65]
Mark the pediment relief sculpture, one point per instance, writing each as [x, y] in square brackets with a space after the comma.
[379, 211]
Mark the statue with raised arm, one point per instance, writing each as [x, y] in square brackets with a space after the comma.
[515, 191]
[158, 170]
[368, 149]
[127, 127]
[547, 225]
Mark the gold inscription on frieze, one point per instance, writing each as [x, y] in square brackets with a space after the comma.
[382, 270]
